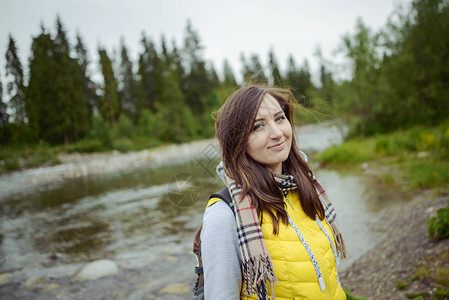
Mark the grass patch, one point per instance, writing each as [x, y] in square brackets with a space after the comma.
[355, 151]
[19, 157]
[421, 153]
[428, 174]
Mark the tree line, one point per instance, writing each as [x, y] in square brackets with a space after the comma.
[400, 74]
[400, 77]
[168, 95]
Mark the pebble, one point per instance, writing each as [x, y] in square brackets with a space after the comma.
[423, 154]
[97, 269]
[365, 167]
[429, 210]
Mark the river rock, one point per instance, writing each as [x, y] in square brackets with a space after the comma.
[97, 269]
[4, 278]
[175, 288]
[51, 287]
[33, 282]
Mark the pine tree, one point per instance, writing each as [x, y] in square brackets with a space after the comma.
[276, 78]
[177, 64]
[128, 96]
[89, 85]
[246, 68]
[72, 99]
[4, 117]
[196, 84]
[327, 84]
[109, 102]
[229, 79]
[43, 108]
[15, 87]
[175, 119]
[150, 76]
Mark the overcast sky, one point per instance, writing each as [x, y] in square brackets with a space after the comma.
[226, 27]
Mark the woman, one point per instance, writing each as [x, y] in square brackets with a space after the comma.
[282, 240]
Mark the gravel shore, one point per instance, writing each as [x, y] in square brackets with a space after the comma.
[404, 250]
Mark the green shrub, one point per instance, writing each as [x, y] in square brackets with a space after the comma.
[11, 163]
[147, 126]
[42, 154]
[441, 293]
[123, 128]
[86, 146]
[439, 225]
[124, 145]
[100, 131]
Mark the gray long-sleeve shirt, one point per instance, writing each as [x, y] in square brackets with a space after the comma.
[220, 254]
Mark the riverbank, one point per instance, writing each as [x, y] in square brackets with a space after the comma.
[405, 264]
[77, 165]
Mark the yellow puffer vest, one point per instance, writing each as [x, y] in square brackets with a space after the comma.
[292, 264]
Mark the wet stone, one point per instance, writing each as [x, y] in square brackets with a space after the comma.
[97, 269]
[33, 282]
[51, 287]
[4, 278]
[175, 288]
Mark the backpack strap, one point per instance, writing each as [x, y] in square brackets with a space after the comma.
[198, 289]
[224, 195]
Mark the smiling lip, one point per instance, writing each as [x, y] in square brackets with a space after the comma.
[279, 146]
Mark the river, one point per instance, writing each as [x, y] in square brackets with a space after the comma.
[144, 219]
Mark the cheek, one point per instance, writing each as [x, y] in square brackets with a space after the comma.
[255, 145]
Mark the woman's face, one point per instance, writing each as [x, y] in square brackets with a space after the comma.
[270, 140]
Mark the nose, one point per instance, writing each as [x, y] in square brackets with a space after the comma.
[275, 132]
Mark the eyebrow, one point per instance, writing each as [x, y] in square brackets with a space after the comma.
[278, 113]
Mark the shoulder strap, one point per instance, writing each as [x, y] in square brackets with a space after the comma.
[224, 195]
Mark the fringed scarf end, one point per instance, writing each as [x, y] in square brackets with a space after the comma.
[256, 273]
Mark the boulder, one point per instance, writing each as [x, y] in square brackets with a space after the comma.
[97, 269]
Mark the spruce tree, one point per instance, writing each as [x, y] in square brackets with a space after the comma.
[229, 79]
[177, 64]
[275, 78]
[257, 70]
[15, 84]
[175, 120]
[72, 100]
[42, 101]
[150, 76]
[246, 70]
[128, 96]
[88, 84]
[4, 117]
[197, 84]
[109, 103]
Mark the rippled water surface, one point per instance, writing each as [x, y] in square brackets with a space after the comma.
[142, 216]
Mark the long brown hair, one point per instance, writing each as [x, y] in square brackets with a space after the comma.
[233, 126]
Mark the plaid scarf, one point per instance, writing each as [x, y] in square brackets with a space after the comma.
[257, 266]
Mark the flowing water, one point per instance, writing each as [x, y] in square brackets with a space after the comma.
[144, 219]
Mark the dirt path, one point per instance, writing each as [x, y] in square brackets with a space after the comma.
[405, 251]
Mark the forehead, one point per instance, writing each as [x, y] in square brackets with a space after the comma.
[269, 106]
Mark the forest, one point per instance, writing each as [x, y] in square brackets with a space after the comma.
[399, 79]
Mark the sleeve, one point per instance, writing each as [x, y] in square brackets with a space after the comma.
[220, 254]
